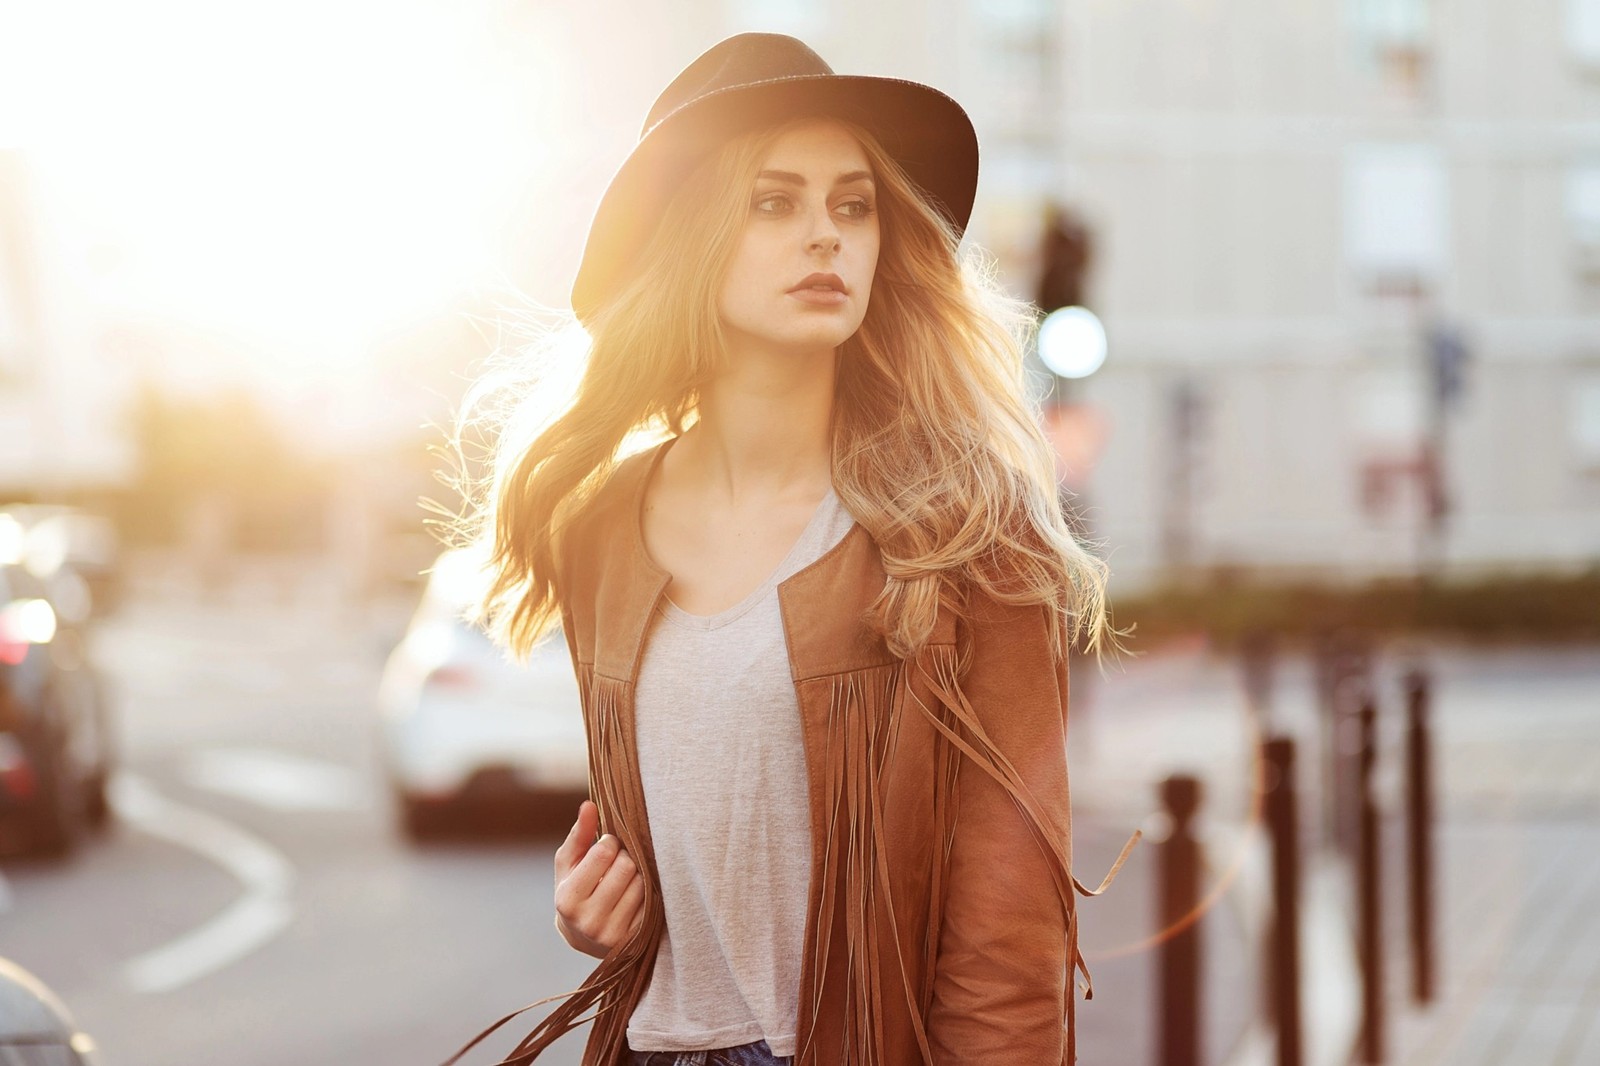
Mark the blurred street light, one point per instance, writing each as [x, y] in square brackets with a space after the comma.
[1071, 345]
[1072, 342]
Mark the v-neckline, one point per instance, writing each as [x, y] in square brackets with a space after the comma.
[728, 614]
[785, 565]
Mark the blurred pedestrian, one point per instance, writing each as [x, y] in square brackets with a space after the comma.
[821, 624]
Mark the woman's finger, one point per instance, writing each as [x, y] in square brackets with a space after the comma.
[628, 914]
[579, 839]
[582, 879]
[625, 917]
[612, 883]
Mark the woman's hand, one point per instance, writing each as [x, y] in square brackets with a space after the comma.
[599, 890]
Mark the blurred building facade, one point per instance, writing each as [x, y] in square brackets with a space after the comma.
[1285, 200]
[1289, 199]
[63, 399]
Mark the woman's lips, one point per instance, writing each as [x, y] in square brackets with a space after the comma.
[819, 297]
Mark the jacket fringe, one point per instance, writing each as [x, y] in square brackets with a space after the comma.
[622, 975]
[863, 722]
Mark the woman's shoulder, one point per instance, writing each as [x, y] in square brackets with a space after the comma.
[982, 616]
[593, 531]
[612, 499]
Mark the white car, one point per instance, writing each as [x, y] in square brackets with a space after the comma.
[459, 722]
[35, 1026]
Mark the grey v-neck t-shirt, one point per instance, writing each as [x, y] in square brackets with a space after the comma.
[723, 764]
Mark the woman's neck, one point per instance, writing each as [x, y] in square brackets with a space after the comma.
[763, 431]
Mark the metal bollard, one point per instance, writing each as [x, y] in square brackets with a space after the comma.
[1368, 879]
[1283, 967]
[1178, 888]
[1419, 832]
[1343, 666]
[1326, 679]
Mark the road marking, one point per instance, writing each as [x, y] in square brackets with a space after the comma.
[277, 780]
[253, 919]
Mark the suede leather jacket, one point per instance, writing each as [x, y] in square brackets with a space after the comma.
[941, 923]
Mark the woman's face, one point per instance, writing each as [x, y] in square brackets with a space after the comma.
[812, 212]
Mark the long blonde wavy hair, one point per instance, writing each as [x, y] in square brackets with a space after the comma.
[937, 449]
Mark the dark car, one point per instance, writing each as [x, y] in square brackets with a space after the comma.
[55, 744]
[35, 1028]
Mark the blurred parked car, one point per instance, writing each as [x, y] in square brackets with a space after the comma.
[461, 725]
[35, 1028]
[56, 748]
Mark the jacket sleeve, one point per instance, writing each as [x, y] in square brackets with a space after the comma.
[1007, 941]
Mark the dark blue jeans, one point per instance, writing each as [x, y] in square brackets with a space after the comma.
[757, 1054]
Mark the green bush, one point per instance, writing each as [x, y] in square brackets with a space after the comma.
[1562, 608]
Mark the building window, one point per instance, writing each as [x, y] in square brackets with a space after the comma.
[1396, 232]
[1387, 431]
[1586, 420]
[1583, 31]
[1390, 24]
[1394, 35]
[1388, 411]
[1018, 42]
[1583, 215]
[1019, 16]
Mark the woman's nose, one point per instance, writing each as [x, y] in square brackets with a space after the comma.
[824, 234]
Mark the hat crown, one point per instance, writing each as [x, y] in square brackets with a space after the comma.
[752, 81]
[742, 59]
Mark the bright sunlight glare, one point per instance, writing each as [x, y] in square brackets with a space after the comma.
[300, 174]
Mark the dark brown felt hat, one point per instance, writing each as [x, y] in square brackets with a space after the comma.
[751, 80]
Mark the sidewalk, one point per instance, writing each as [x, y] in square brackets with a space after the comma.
[1517, 778]
[1519, 870]
[1128, 731]
[1121, 1024]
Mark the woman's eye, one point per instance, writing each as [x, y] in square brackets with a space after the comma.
[779, 203]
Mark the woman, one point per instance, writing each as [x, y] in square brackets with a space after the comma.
[821, 625]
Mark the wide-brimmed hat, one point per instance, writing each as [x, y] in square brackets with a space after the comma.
[748, 81]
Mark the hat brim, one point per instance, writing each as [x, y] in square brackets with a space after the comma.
[925, 130]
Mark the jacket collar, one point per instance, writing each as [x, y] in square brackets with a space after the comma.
[823, 604]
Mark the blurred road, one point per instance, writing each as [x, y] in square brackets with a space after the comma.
[254, 904]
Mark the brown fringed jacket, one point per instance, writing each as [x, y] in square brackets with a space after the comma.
[941, 923]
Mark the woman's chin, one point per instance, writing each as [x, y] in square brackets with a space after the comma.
[818, 334]
[797, 343]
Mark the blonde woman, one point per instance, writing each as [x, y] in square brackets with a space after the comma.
[800, 531]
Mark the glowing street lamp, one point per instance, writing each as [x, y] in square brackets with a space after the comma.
[1072, 342]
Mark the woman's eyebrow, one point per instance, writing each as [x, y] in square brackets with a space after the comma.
[791, 178]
